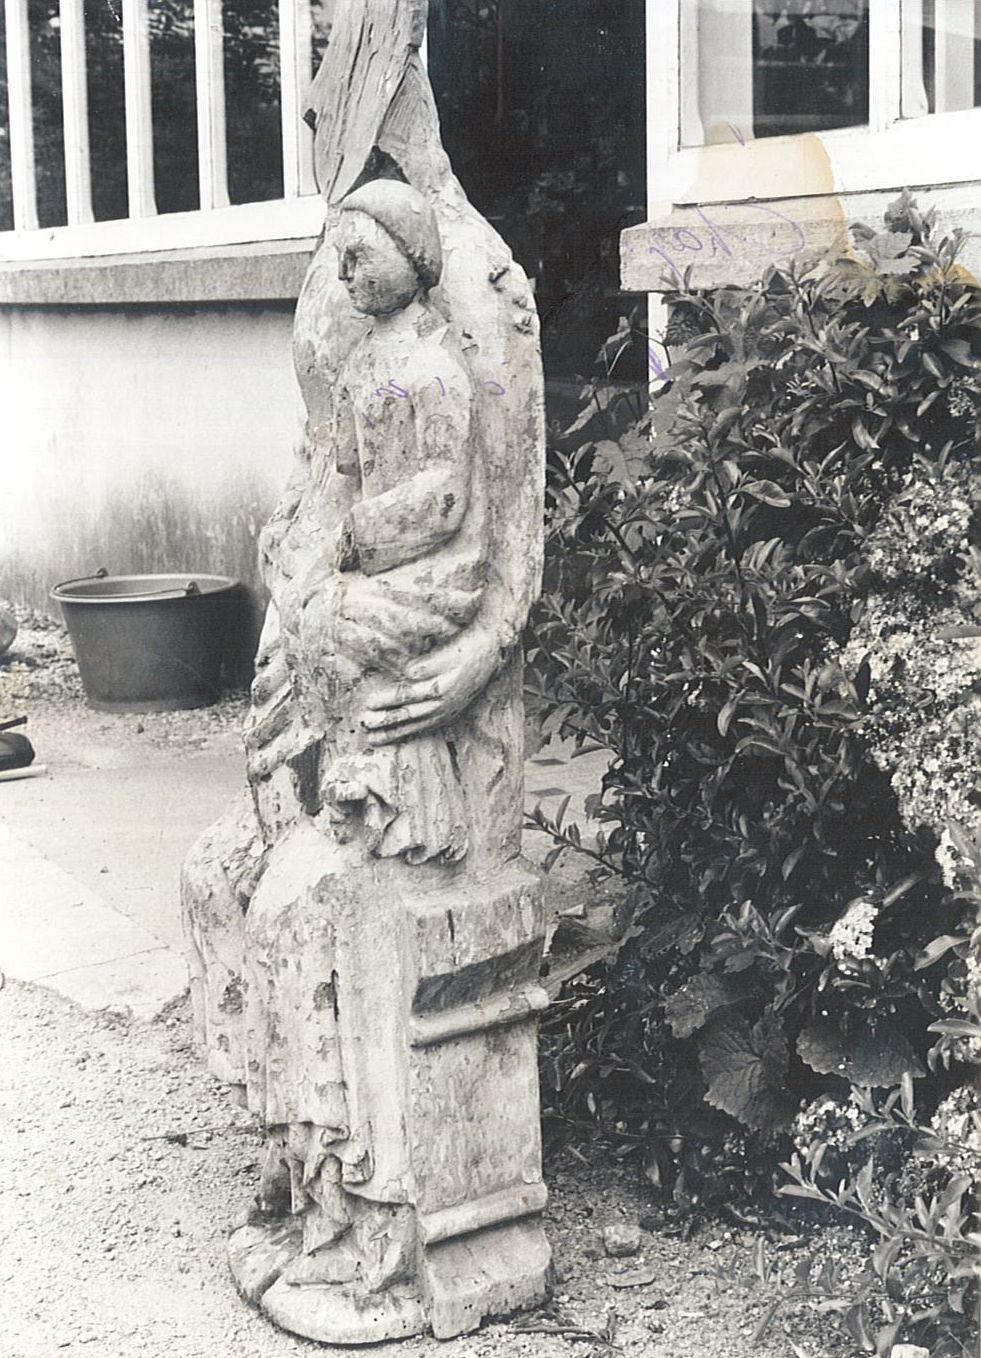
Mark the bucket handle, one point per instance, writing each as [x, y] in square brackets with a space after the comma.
[100, 574]
[192, 587]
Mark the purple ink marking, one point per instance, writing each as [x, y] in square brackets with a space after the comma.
[687, 241]
[442, 387]
[782, 217]
[396, 390]
[716, 236]
[500, 390]
[657, 368]
[737, 134]
[694, 242]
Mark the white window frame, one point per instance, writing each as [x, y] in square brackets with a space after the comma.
[890, 152]
[298, 216]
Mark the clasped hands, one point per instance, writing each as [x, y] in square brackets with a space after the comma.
[434, 690]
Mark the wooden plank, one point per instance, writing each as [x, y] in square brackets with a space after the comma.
[139, 110]
[954, 55]
[75, 112]
[295, 47]
[209, 85]
[350, 97]
[23, 178]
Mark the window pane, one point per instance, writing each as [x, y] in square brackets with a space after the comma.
[49, 139]
[941, 56]
[252, 100]
[541, 108]
[757, 68]
[175, 137]
[107, 115]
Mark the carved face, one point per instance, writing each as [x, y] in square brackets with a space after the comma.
[378, 276]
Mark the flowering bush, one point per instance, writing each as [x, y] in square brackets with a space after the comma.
[914, 1190]
[762, 600]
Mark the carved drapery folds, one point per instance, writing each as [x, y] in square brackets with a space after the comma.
[364, 938]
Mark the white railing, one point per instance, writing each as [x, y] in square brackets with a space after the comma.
[298, 214]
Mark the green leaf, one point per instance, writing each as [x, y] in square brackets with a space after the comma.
[875, 1058]
[690, 1008]
[724, 719]
[937, 949]
[768, 492]
[956, 1028]
[746, 1071]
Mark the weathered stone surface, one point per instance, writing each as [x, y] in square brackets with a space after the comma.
[365, 940]
[734, 242]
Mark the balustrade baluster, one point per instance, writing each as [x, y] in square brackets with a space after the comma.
[295, 76]
[75, 112]
[23, 178]
[139, 110]
[209, 79]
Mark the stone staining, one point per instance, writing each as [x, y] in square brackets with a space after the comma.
[364, 937]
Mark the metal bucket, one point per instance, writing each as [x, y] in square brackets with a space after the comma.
[148, 643]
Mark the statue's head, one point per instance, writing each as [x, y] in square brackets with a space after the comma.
[388, 246]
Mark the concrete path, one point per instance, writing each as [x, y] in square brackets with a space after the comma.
[90, 856]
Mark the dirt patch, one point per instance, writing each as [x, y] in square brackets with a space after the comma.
[124, 1164]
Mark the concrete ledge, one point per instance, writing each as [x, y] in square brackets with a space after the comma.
[733, 242]
[270, 271]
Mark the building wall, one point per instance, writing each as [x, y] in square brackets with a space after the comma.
[141, 439]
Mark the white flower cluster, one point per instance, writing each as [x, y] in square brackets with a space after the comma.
[957, 1122]
[925, 727]
[851, 936]
[926, 524]
[828, 1121]
[961, 998]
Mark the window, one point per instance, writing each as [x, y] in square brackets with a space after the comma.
[763, 69]
[541, 107]
[941, 56]
[769, 100]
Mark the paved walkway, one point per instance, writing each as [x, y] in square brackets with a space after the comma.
[90, 856]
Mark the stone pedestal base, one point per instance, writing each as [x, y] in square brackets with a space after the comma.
[461, 1283]
[418, 995]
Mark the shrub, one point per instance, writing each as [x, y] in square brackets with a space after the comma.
[762, 600]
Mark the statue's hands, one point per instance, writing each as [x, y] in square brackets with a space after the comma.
[435, 689]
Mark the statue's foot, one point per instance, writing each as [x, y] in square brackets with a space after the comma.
[335, 1314]
[317, 1295]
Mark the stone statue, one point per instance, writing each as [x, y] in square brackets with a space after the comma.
[364, 937]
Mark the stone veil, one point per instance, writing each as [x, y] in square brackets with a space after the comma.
[364, 937]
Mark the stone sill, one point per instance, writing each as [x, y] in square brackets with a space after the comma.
[731, 243]
[270, 271]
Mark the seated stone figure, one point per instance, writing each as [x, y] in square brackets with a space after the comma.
[412, 548]
[364, 937]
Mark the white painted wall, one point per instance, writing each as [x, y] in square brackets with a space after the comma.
[140, 439]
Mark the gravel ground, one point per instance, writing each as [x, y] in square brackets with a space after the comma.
[123, 1163]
